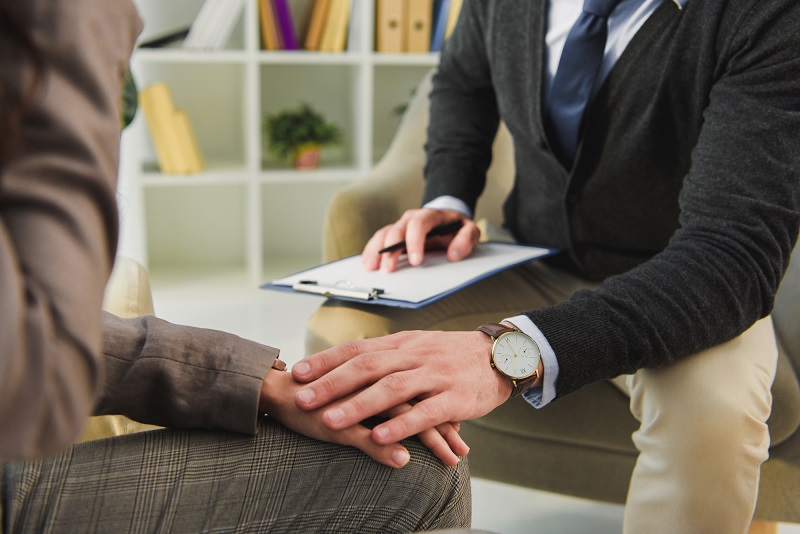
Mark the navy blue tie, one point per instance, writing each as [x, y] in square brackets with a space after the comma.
[577, 70]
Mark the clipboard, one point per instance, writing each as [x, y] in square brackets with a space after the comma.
[408, 287]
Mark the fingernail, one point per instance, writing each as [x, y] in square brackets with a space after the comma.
[381, 433]
[335, 416]
[306, 395]
[301, 368]
[414, 259]
[456, 255]
[400, 457]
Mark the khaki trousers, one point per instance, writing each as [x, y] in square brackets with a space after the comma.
[703, 433]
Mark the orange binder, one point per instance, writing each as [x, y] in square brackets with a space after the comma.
[270, 38]
[319, 15]
[334, 36]
[418, 25]
[389, 26]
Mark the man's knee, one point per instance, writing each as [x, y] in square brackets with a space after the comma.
[336, 322]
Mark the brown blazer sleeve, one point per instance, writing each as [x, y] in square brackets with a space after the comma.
[179, 376]
[58, 221]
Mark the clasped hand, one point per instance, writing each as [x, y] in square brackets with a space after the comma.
[421, 380]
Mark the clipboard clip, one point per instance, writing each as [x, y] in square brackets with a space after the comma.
[342, 288]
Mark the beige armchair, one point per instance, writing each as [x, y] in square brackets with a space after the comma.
[583, 442]
[127, 295]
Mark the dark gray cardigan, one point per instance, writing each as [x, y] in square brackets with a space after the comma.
[685, 193]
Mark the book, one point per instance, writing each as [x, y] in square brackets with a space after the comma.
[159, 113]
[441, 11]
[214, 24]
[283, 16]
[334, 35]
[353, 29]
[418, 26]
[452, 17]
[389, 26]
[319, 14]
[173, 138]
[187, 142]
[408, 287]
[270, 38]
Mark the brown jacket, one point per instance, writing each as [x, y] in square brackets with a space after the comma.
[58, 235]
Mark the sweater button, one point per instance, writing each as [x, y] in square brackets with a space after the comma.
[542, 145]
[572, 199]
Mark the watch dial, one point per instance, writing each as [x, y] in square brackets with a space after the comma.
[516, 355]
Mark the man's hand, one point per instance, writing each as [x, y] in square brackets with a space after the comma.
[412, 227]
[277, 399]
[448, 373]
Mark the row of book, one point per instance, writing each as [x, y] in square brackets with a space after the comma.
[171, 131]
[325, 25]
[214, 24]
[414, 26]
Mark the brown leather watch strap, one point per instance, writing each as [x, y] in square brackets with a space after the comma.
[523, 385]
[495, 330]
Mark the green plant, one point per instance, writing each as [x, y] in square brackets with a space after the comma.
[289, 129]
[129, 100]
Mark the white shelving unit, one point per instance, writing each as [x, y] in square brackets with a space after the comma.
[246, 210]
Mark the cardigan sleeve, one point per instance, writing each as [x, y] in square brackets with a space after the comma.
[463, 114]
[58, 220]
[739, 218]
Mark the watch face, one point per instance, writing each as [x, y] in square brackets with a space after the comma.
[515, 354]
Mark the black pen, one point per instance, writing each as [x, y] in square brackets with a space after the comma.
[442, 229]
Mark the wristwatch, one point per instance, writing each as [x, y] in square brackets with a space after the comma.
[514, 354]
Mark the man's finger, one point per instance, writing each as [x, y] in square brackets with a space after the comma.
[394, 388]
[464, 242]
[416, 233]
[316, 365]
[353, 375]
[370, 258]
[430, 412]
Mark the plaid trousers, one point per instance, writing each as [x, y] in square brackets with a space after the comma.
[208, 481]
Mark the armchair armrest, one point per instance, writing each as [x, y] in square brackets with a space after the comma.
[127, 295]
[396, 183]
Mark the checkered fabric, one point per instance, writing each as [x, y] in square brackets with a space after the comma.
[201, 481]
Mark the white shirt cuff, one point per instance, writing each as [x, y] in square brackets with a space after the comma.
[446, 202]
[541, 395]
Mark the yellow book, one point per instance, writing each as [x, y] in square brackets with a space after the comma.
[187, 142]
[159, 112]
[418, 25]
[452, 17]
[389, 26]
[319, 15]
[334, 36]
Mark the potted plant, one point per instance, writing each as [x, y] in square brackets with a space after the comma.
[299, 134]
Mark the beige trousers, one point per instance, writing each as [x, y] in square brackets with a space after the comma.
[703, 433]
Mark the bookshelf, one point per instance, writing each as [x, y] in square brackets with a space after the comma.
[245, 211]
